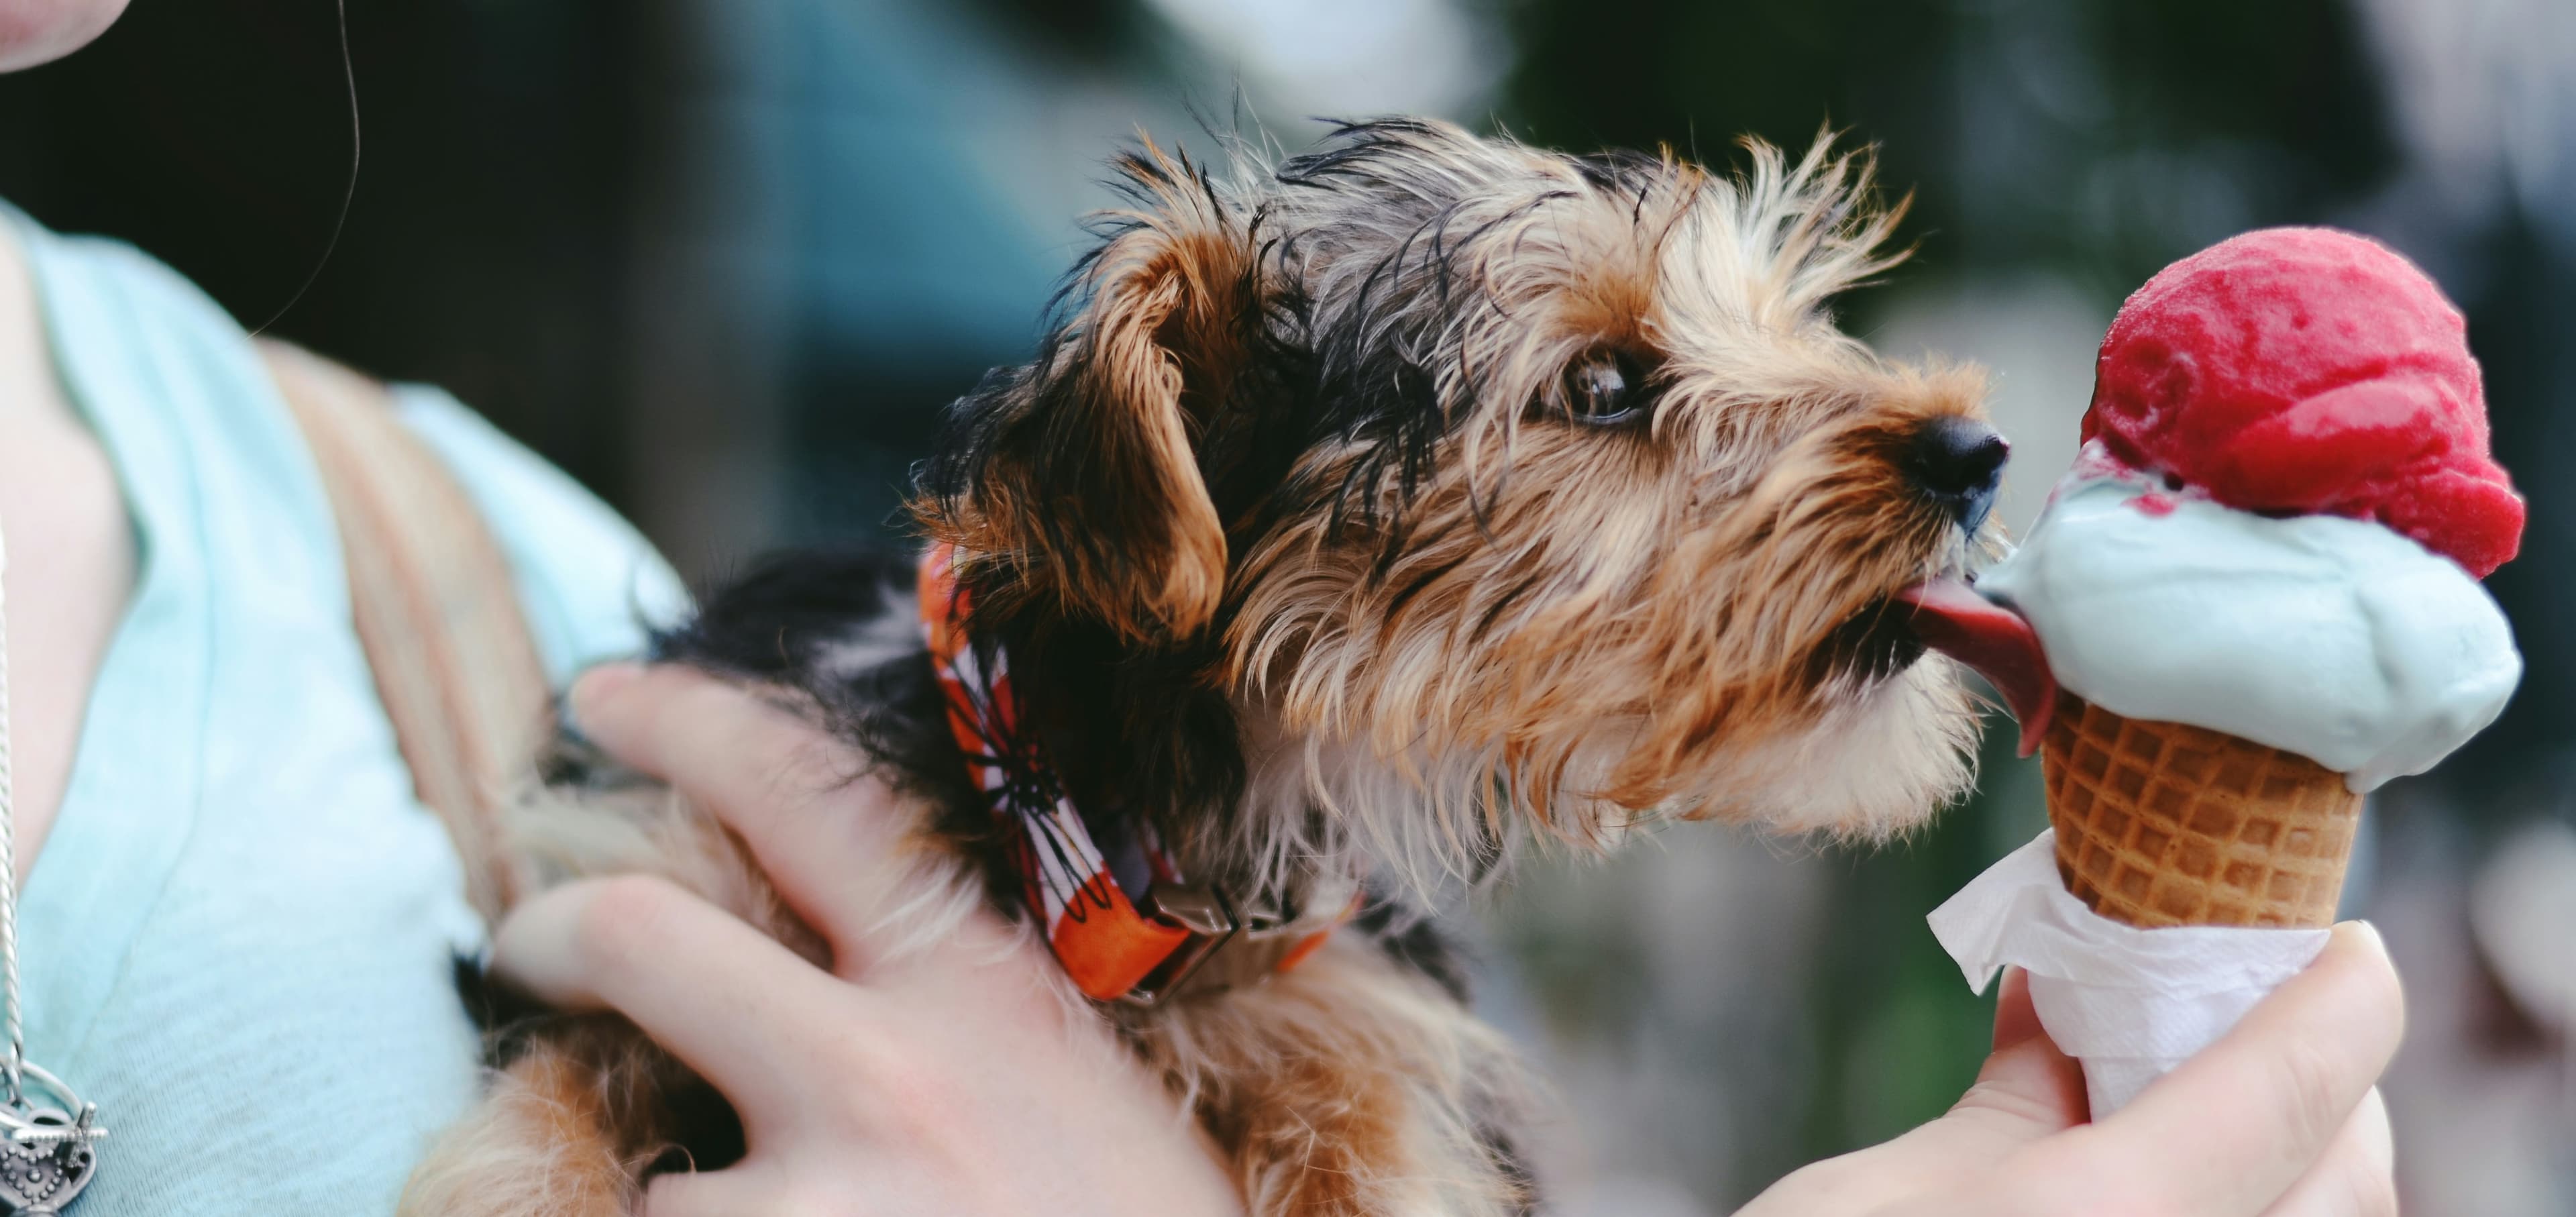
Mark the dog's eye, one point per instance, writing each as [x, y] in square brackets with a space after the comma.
[1605, 389]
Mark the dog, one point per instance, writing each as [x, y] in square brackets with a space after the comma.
[1363, 519]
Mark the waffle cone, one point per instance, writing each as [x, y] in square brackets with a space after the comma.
[2164, 824]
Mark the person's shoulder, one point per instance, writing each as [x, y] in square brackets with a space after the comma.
[145, 283]
[593, 587]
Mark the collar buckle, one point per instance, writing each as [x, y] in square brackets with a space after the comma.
[1228, 945]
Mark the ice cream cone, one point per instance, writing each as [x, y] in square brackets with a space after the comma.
[2162, 824]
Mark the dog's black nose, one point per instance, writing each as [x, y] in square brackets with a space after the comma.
[1959, 462]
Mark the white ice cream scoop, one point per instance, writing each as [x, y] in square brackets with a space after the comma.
[2340, 640]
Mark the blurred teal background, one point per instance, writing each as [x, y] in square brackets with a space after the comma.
[723, 259]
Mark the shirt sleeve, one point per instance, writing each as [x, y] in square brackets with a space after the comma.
[593, 587]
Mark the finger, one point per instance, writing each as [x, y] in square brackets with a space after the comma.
[2024, 1093]
[734, 1005]
[692, 1194]
[757, 1188]
[2028, 1088]
[732, 1192]
[2231, 1129]
[825, 834]
[2356, 1178]
[2015, 1018]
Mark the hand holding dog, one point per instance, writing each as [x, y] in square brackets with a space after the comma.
[2279, 1119]
[947, 1081]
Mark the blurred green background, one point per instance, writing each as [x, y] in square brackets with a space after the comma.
[724, 259]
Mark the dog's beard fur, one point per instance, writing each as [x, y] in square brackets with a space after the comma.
[1461, 618]
[1300, 549]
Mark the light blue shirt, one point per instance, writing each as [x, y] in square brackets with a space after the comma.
[239, 939]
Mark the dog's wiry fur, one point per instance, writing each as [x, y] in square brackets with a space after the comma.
[1313, 537]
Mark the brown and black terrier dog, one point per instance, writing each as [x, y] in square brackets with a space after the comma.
[1362, 517]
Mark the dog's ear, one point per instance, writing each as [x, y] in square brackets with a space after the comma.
[1081, 474]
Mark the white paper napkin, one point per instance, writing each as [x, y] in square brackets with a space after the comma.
[2129, 1003]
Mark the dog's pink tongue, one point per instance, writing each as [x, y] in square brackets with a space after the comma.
[1950, 617]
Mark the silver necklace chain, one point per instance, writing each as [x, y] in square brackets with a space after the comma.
[14, 1069]
[47, 1134]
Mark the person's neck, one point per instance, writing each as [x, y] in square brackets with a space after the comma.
[72, 552]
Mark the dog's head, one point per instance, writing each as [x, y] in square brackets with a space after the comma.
[1538, 490]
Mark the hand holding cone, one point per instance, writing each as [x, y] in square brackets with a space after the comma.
[2254, 599]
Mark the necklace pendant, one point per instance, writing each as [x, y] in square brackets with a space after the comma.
[48, 1147]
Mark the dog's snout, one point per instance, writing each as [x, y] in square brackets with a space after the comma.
[1960, 462]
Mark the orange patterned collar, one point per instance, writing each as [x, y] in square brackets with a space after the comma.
[1119, 914]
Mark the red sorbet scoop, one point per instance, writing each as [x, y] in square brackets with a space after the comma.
[2304, 370]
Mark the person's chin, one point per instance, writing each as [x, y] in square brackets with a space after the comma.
[41, 31]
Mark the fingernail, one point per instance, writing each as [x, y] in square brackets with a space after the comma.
[599, 684]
